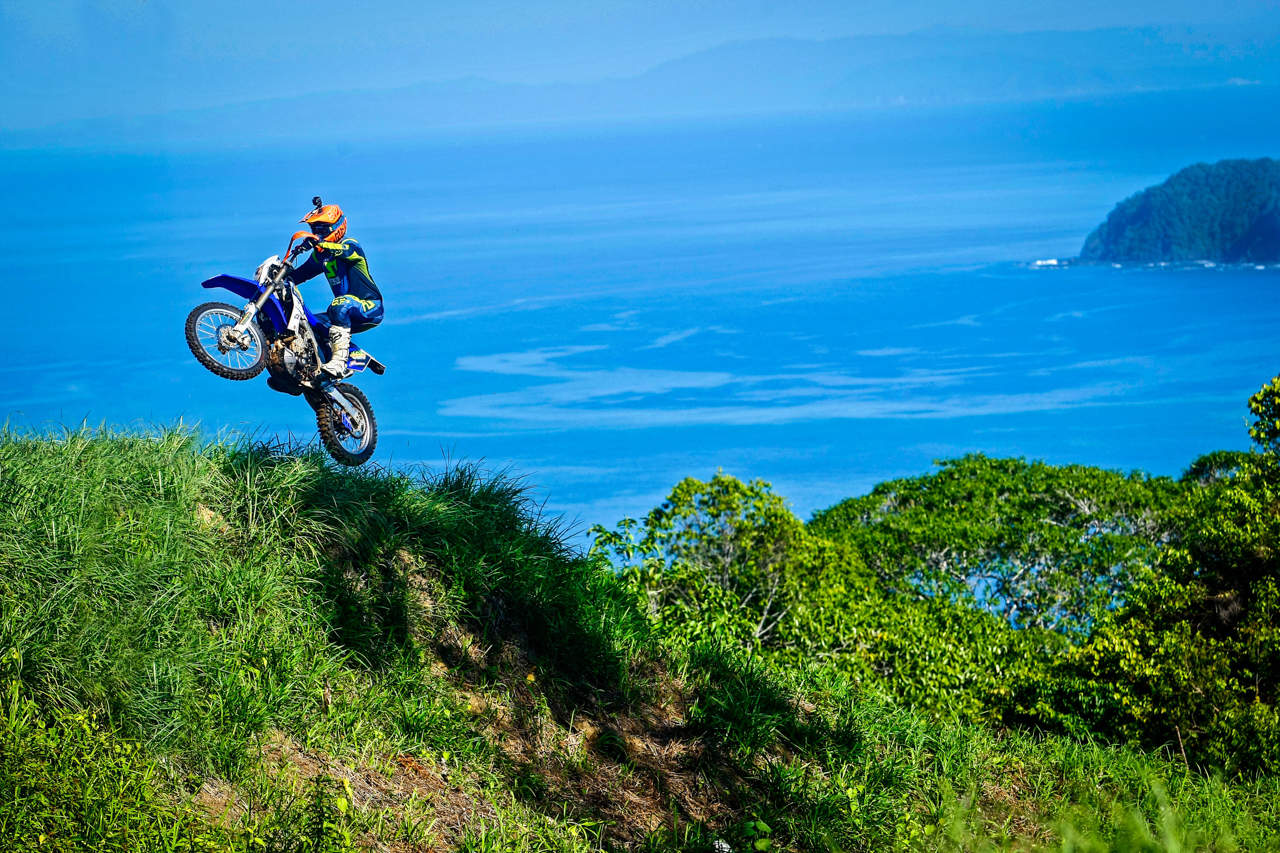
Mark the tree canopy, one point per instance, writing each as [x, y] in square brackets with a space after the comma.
[1039, 545]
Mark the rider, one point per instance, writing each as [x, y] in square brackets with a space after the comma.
[357, 302]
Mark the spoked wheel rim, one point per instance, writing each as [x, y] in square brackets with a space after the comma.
[353, 437]
[347, 442]
[214, 334]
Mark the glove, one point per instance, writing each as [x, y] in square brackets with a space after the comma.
[309, 243]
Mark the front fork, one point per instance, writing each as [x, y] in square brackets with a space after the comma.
[329, 390]
[251, 310]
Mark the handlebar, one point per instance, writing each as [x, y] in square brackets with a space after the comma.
[293, 251]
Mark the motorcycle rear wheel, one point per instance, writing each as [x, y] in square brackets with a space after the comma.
[345, 443]
[206, 325]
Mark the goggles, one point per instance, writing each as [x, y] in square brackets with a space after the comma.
[321, 229]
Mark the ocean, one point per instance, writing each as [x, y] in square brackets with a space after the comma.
[821, 301]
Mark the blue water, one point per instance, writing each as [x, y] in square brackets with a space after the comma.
[823, 302]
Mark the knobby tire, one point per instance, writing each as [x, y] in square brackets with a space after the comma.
[328, 422]
[226, 372]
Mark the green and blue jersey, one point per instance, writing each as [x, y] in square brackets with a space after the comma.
[357, 302]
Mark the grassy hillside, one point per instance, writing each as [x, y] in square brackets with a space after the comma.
[240, 647]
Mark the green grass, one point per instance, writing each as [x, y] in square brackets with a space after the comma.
[338, 655]
[859, 772]
[68, 785]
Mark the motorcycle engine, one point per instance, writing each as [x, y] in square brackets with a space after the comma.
[290, 361]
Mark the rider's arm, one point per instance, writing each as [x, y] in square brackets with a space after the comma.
[346, 250]
[307, 270]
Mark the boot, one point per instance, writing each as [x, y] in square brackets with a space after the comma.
[340, 347]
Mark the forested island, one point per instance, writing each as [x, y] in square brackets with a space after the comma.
[1227, 212]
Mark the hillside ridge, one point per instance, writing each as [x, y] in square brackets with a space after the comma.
[249, 649]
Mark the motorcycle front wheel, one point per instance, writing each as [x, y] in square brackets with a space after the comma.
[214, 343]
[348, 443]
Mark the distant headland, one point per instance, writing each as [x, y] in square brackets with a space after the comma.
[1227, 212]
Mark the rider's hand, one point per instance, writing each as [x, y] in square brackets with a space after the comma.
[309, 243]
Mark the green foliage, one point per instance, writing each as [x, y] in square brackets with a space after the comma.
[1193, 659]
[723, 548]
[201, 602]
[66, 784]
[325, 825]
[518, 831]
[841, 769]
[988, 571]
[1063, 598]
[1228, 211]
[724, 563]
[201, 598]
[758, 835]
[950, 660]
[1213, 466]
[726, 560]
[1041, 546]
[1265, 406]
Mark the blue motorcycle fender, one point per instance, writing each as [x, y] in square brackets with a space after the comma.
[248, 289]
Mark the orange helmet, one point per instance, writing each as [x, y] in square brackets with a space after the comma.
[327, 221]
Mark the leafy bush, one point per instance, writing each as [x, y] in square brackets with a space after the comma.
[1265, 406]
[1061, 598]
[725, 561]
[1193, 659]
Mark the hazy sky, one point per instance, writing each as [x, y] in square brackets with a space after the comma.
[65, 59]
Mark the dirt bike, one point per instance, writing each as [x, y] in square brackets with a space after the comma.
[276, 331]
